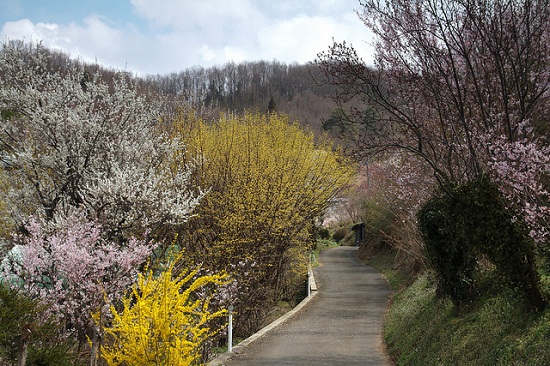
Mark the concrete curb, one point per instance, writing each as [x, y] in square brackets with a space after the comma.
[220, 360]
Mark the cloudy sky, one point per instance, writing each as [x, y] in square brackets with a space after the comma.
[162, 36]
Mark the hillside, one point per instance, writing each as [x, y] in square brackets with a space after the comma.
[234, 87]
[264, 86]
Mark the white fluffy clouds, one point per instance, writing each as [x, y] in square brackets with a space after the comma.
[301, 36]
[171, 35]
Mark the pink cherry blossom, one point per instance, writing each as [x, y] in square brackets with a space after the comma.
[70, 268]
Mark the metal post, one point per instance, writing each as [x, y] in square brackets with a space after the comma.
[230, 330]
[309, 269]
[308, 283]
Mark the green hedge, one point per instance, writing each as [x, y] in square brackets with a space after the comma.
[462, 224]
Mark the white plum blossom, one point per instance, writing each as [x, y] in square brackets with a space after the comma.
[79, 139]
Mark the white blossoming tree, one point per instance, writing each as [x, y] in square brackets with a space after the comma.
[73, 139]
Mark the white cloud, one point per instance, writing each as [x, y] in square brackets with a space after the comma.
[184, 33]
[302, 37]
[25, 30]
[180, 13]
[235, 54]
[207, 54]
[90, 41]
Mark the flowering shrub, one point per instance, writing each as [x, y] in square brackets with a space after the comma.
[268, 181]
[462, 86]
[519, 167]
[162, 322]
[69, 267]
[77, 139]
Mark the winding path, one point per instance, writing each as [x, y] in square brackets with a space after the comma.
[342, 325]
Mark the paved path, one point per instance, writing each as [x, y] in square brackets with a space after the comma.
[342, 325]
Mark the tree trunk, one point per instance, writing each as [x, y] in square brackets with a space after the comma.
[96, 334]
[94, 353]
[23, 345]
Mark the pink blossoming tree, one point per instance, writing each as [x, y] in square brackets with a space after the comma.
[71, 268]
[462, 85]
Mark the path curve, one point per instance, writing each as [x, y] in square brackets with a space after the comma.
[342, 325]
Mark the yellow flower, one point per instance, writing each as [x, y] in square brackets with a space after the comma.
[162, 322]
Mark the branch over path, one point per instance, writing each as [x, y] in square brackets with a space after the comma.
[341, 326]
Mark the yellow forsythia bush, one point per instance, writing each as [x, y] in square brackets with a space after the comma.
[162, 322]
[268, 180]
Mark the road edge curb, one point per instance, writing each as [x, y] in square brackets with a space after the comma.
[221, 359]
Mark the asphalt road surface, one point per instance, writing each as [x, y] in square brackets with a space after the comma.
[342, 325]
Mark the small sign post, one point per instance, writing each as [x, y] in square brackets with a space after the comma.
[308, 282]
[230, 330]
[309, 273]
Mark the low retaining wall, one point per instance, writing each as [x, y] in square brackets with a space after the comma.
[220, 360]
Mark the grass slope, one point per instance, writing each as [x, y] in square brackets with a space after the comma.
[421, 329]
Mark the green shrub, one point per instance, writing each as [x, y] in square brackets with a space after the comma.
[323, 233]
[471, 221]
[16, 311]
[493, 231]
[446, 251]
[51, 355]
[340, 234]
[20, 315]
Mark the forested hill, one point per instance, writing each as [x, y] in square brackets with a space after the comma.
[291, 89]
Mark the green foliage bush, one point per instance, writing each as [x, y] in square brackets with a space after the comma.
[471, 221]
[340, 234]
[323, 233]
[446, 251]
[51, 355]
[19, 317]
[15, 312]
